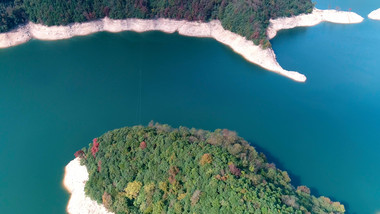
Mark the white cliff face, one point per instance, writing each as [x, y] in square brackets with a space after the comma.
[74, 181]
[375, 14]
[314, 18]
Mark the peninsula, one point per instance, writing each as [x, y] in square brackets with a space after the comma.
[375, 14]
[314, 18]
[157, 169]
[247, 33]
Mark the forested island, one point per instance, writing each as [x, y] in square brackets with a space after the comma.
[246, 18]
[160, 169]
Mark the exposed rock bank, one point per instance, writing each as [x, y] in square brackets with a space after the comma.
[251, 52]
[74, 181]
[265, 58]
[314, 18]
[375, 14]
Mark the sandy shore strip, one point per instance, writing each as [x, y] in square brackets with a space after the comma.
[314, 18]
[375, 14]
[74, 181]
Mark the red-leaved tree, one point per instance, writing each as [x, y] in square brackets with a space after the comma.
[234, 170]
[95, 146]
[79, 154]
[142, 145]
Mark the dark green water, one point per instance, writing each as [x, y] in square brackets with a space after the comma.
[55, 97]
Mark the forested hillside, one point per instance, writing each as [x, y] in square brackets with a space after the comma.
[248, 18]
[158, 169]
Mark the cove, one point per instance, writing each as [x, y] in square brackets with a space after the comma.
[55, 97]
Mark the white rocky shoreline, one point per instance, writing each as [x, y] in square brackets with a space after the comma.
[74, 181]
[251, 52]
[312, 19]
[265, 58]
[375, 15]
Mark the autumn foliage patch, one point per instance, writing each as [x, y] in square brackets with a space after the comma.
[142, 145]
[79, 154]
[95, 146]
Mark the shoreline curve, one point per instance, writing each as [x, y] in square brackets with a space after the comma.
[375, 15]
[265, 58]
[74, 181]
[312, 19]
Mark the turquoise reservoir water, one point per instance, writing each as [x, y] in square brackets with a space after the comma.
[55, 97]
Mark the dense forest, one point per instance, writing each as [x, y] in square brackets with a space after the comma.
[159, 169]
[249, 18]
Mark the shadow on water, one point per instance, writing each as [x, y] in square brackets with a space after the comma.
[245, 65]
[295, 179]
[291, 33]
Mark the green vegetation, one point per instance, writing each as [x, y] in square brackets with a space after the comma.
[249, 18]
[158, 169]
[12, 13]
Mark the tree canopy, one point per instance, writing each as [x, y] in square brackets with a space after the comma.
[249, 18]
[159, 169]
